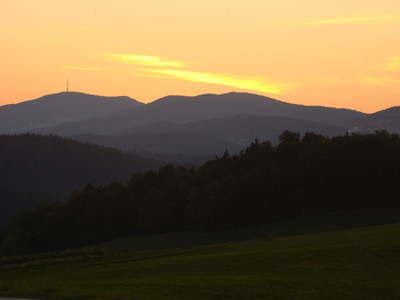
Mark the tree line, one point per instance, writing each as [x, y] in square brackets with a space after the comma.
[299, 176]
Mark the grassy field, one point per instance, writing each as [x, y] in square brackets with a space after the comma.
[349, 264]
[334, 221]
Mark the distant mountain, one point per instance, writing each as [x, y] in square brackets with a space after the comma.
[59, 108]
[215, 106]
[36, 168]
[388, 119]
[208, 136]
[180, 109]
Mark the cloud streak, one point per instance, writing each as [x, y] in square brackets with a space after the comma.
[260, 85]
[352, 20]
[84, 68]
[146, 60]
[157, 67]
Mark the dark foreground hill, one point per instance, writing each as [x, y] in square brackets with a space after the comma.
[37, 168]
[351, 264]
[180, 109]
[300, 176]
[59, 108]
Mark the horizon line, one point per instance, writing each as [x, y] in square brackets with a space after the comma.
[190, 96]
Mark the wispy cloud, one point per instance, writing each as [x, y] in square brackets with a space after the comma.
[351, 20]
[381, 81]
[393, 63]
[85, 68]
[146, 60]
[157, 67]
[260, 85]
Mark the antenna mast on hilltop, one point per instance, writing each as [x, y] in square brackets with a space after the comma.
[67, 86]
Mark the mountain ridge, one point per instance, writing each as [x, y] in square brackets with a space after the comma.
[85, 114]
[182, 109]
[53, 109]
[387, 119]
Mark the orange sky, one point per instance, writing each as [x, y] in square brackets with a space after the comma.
[342, 53]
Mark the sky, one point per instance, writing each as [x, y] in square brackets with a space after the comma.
[342, 53]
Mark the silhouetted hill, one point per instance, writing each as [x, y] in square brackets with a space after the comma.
[208, 136]
[180, 109]
[215, 106]
[36, 168]
[388, 119]
[59, 108]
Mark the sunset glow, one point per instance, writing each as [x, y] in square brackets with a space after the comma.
[343, 53]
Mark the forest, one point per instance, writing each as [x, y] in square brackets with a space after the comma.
[300, 176]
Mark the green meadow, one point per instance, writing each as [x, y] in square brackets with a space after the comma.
[362, 263]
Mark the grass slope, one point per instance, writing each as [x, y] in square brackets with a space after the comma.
[349, 264]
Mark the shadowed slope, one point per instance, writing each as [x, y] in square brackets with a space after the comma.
[37, 168]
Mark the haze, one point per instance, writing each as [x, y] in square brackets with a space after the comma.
[343, 53]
